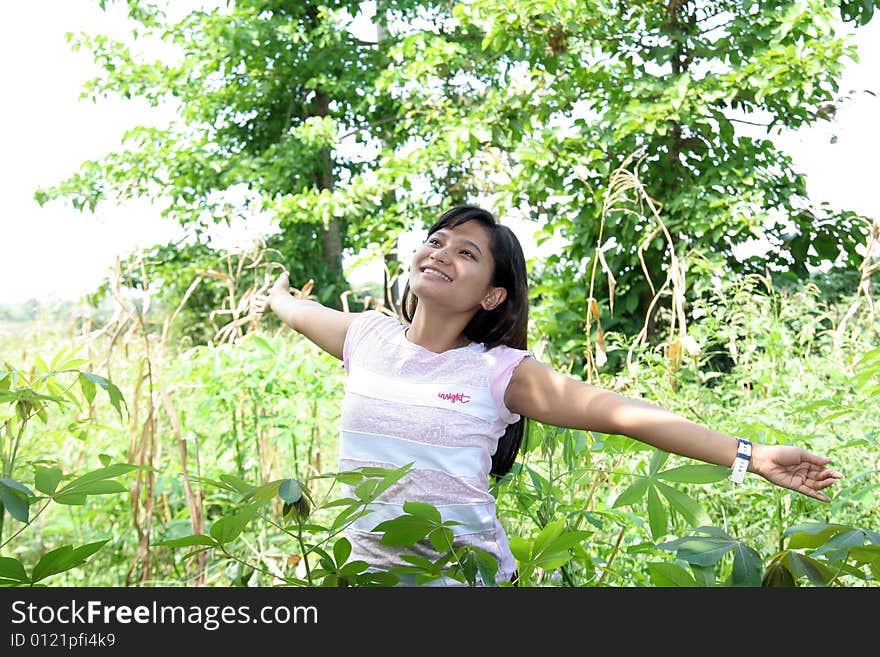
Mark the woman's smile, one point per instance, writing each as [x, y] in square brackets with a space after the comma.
[436, 273]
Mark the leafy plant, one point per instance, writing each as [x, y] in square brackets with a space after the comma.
[27, 397]
[832, 554]
[302, 520]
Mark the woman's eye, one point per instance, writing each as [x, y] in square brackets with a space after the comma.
[433, 241]
[469, 254]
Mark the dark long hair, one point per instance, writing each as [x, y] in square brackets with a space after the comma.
[507, 323]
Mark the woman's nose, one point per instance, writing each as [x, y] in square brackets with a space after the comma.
[439, 254]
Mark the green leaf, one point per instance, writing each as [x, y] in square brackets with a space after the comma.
[342, 501]
[64, 558]
[788, 566]
[87, 386]
[865, 554]
[80, 484]
[747, 566]
[695, 474]
[557, 553]
[657, 460]
[20, 487]
[486, 564]
[668, 574]
[812, 534]
[391, 478]
[14, 501]
[365, 490]
[815, 571]
[704, 551]
[403, 530]
[692, 511]
[349, 515]
[12, 569]
[703, 575]
[263, 344]
[551, 547]
[378, 579]
[76, 499]
[105, 487]
[549, 534]
[441, 538]
[777, 575]
[264, 493]
[422, 510]
[290, 491]
[632, 494]
[116, 398]
[353, 568]
[474, 561]
[341, 551]
[521, 548]
[237, 484]
[350, 478]
[228, 528]
[468, 563]
[837, 547]
[188, 541]
[657, 517]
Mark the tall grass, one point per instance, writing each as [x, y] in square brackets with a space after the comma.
[262, 404]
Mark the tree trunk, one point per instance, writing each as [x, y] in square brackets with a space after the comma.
[331, 237]
[389, 280]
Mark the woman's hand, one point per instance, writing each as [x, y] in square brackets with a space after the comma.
[794, 468]
[262, 303]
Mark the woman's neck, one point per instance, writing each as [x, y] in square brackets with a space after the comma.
[437, 332]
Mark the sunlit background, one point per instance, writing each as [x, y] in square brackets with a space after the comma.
[57, 253]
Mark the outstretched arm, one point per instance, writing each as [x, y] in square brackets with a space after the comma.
[543, 394]
[324, 326]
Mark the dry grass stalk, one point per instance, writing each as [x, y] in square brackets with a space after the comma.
[870, 265]
[127, 325]
[195, 499]
[622, 183]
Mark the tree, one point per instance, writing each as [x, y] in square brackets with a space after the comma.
[264, 92]
[668, 83]
[528, 107]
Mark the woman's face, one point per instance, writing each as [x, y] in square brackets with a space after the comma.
[454, 267]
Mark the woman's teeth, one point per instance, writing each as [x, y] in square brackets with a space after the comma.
[428, 270]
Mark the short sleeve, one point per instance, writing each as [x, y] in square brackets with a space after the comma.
[357, 330]
[507, 360]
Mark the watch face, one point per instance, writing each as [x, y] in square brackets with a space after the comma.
[740, 465]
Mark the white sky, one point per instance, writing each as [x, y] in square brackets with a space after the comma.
[55, 252]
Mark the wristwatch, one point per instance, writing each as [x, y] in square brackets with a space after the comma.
[741, 462]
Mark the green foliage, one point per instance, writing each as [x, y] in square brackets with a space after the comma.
[530, 107]
[832, 551]
[858, 11]
[548, 550]
[307, 523]
[580, 508]
[24, 397]
[710, 545]
[283, 110]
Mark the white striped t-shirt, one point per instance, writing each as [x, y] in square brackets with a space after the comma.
[443, 412]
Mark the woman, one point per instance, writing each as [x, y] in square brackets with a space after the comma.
[449, 391]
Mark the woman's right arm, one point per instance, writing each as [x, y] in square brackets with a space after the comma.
[324, 326]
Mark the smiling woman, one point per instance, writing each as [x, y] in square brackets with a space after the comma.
[461, 276]
[447, 392]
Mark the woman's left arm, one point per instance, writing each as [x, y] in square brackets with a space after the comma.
[543, 394]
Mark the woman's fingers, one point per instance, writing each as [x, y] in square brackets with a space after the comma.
[809, 492]
[258, 305]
